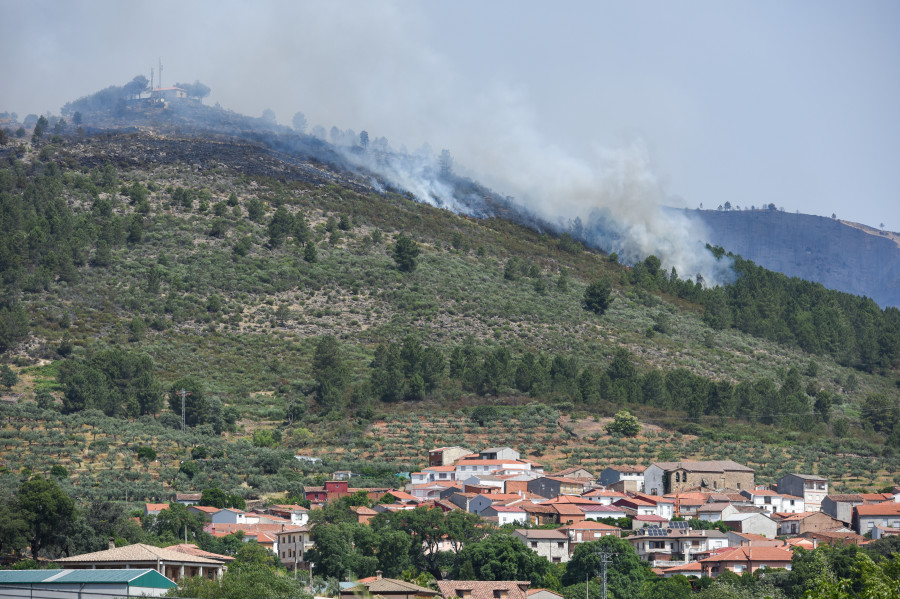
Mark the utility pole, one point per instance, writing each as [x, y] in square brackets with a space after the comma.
[605, 560]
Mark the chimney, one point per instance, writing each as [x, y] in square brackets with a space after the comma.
[112, 543]
[377, 574]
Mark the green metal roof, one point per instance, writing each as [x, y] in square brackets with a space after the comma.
[144, 577]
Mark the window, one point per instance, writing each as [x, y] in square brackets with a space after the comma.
[556, 560]
[560, 544]
[677, 477]
[738, 569]
[500, 594]
[534, 544]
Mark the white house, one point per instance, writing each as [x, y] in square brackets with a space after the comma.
[753, 523]
[550, 544]
[230, 516]
[714, 512]
[505, 514]
[810, 487]
[773, 502]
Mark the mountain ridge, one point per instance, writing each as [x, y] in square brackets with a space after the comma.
[844, 256]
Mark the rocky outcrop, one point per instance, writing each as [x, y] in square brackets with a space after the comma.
[842, 256]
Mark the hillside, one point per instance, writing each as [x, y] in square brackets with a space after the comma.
[265, 281]
[840, 255]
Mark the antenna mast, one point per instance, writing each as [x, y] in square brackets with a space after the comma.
[160, 71]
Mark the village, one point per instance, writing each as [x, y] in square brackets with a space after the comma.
[692, 518]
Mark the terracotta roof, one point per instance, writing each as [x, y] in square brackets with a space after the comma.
[689, 567]
[402, 496]
[191, 549]
[292, 508]
[762, 492]
[570, 471]
[570, 499]
[600, 508]
[479, 462]
[533, 591]
[751, 554]
[604, 493]
[878, 509]
[567, 509]
[483, 589]
[506, 509]
[205, 508]
[392, 586]
[591, 525]
[542, 533]
[447, 468]
[157, 507]
[188, 496]
[537, 508]
[137, 553]
[650, 518]
[363, 511]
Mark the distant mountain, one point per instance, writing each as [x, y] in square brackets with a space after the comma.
[838, 254]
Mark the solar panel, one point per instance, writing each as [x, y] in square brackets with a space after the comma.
[679, 524]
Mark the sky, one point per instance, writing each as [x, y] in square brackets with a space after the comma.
[787, 102]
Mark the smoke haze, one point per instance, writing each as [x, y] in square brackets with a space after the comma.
[564, 110]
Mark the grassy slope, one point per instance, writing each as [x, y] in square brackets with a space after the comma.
[244, 354]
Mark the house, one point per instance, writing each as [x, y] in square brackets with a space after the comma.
[575, 472]
[389, 588]
[665, 507]
[630, 477]
[772, 501]
[229, 515]
[341, 475]
[315, 494]
[567, 513]
[552, 486]
[599, 512]
[504, 514]
[364, 514]
[84, 584]
[466, 467]
[638, 507]
[308, 459]
[587, 531]
[810, 487]
[843, 536]
[660, 545]
[445, 456]
[168, 94]
[188, 498]
[662, 478]
[433, 490]
[715, 512]
[543, 594]
[297, 514]
[550, 544]
[204, 511]
[752, 522]
[604, 496]
[802, 523]
[171, 564]
[192, 549]
[153, 509]
[434, 474]
[841, 506]
[867, 517]
[884, 531]
[499, 453]
[746, 559]
[293, 543]
[476, 589]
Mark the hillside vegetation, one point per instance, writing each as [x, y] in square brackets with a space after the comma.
[306, 312]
